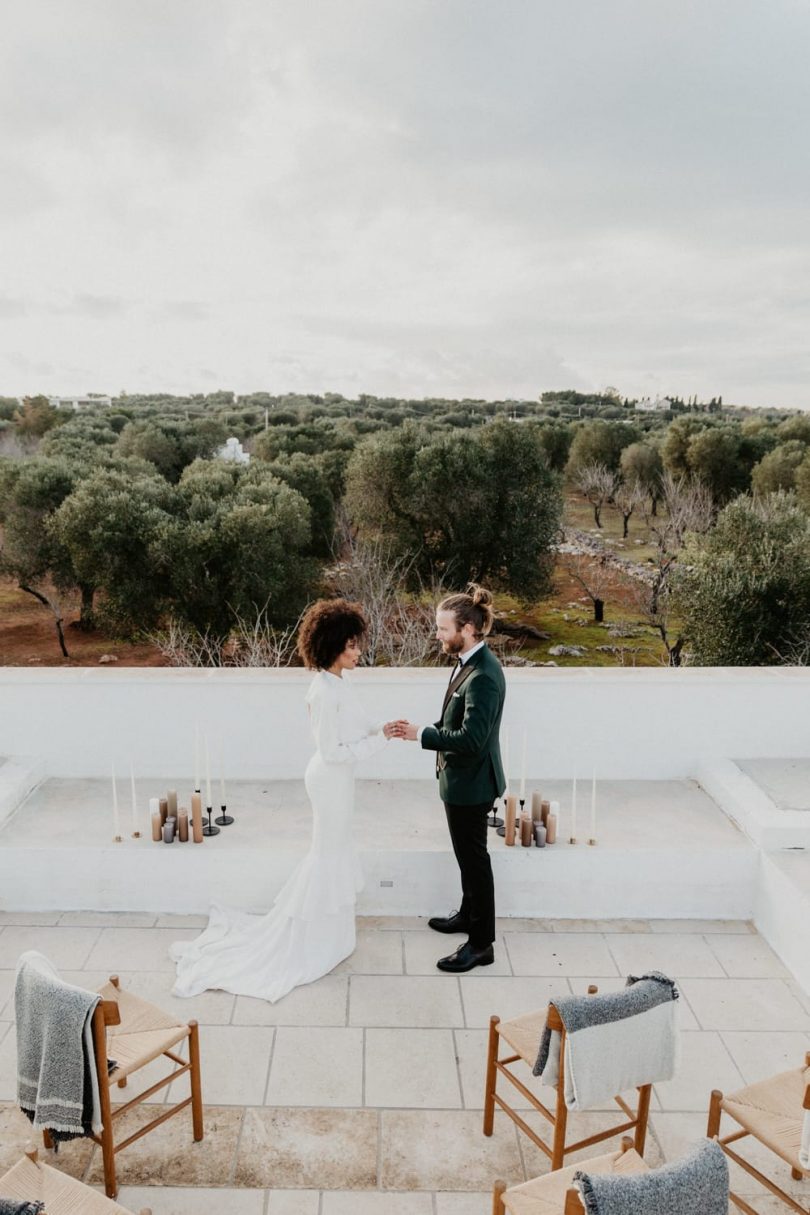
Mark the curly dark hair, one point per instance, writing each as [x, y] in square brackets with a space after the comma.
[327, 627]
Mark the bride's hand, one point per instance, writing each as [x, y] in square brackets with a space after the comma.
[393, 729]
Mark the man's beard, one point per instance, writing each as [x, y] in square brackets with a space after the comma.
[454, 646]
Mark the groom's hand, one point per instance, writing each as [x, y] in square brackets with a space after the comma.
[408, 731]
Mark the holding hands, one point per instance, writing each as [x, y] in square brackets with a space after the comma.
[400, 729]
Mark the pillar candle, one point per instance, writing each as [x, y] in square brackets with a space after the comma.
[196, 818]
[182, 825]
[537, 806]
[171, 798]
[116, 815]
[551, 829]
[157, 826]
[168, 833]
[164, 810]
[509, 821]
[545, 807]
[523, 769]
[525, 830]
[539, 835]
[554, 808]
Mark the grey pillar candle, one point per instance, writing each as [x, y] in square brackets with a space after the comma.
[539, 835]
[168, 833]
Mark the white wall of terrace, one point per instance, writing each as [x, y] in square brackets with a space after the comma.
[651, 724]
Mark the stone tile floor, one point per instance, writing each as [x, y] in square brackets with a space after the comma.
[362, 1093]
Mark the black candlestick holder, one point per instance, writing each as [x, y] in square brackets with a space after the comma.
[495, 821]
[224, 819]
[209, 828]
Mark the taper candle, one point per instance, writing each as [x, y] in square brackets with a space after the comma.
[523, 769]
[197, 785]
[574, 810]
[116, 815]
[506, 759]
[208, 801]
[593, 806]
[135, 832]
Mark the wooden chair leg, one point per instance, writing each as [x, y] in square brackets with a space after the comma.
[796, 1174]
[715, 1114]
[642, 1115]
[46, 1139]
[497, 1196]
[107, 1141]
[196, 1080]
[560, 1114]
[492, 1076]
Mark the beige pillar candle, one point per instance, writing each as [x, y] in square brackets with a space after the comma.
[509, 821]
[545, 807]
[551, 829]
[164, 810]
[157, 827]
[525, 831]
[537, 806]
[171, 798]
[182, 825]
[196, 818]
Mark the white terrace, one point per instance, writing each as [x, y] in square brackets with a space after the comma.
[363, 1092]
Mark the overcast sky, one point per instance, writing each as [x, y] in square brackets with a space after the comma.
[406, 197]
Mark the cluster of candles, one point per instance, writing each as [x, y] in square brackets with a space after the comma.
[168, 822]
[535, 816]
[538, 825]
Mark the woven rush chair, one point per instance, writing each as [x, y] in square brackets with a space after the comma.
[553, 1194]
[140, 1033]
[523, 1035]
[773, 1112]
[32, 1181]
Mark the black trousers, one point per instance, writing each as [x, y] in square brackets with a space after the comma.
[468, 832]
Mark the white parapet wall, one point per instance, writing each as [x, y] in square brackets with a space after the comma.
[652, 724]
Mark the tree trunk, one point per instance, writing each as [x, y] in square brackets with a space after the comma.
[675, 653]
[654, 505]
[626, 519]
[57, 617]
[597, 510]
[87, 620]
[598, 611]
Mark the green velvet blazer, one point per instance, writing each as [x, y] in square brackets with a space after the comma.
[468, 760]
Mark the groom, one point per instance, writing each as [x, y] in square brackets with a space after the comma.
[468, 765]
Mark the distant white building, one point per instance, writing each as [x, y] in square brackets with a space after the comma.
[234, 452]
[80, 402]
[648, 405]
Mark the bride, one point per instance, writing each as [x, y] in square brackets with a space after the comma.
[311, 927]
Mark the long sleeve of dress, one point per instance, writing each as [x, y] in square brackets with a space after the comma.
[324, 710]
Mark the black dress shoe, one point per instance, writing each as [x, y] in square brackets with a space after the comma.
[450, 923]
[465, 958]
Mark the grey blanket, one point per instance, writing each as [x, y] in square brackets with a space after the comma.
[12, 1206]
[696, 1185]
[614, 1042]
[57, 1082]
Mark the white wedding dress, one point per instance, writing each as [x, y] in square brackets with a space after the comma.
[311, 927]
